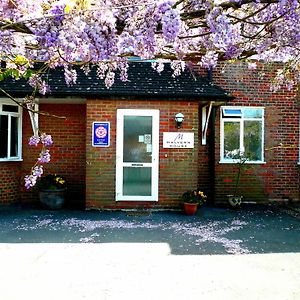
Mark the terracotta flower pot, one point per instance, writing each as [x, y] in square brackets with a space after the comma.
[190, 208]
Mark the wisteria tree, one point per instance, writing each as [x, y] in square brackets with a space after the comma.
[103, 34]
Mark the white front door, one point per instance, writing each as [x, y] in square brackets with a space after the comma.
[137, 155]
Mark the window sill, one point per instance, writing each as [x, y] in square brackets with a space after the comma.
[9, 160]
[247, 162]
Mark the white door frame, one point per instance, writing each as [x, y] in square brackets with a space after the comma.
[154, 113]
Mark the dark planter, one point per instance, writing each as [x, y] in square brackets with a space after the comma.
[52, 199]
[190, 208]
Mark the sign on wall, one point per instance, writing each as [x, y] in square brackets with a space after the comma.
[101, 134]
[178, 140]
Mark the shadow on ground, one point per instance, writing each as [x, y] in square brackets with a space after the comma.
[211, 231]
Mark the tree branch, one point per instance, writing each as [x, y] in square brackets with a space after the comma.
[17, 27]
[31, 110]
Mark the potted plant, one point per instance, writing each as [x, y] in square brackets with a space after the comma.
[192, 199]
[52, 189]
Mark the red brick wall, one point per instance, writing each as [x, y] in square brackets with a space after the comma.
[278, 178]
[178, 167]
[67, 152]
[9, 182]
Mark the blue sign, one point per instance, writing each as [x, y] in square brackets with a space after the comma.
[101, 133]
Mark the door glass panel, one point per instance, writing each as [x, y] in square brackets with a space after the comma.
[137, 139]
[136, 181]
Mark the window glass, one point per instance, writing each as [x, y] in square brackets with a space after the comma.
[231, 139]
[253, 140]
[14, 137]
[10, 108]
[253, 113]
[3, 136]
[233, 112]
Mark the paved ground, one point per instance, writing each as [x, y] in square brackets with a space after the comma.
[217, 254]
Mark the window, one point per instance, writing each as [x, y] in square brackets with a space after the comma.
[242, 132]
[10, 131]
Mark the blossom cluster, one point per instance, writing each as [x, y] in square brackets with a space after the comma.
[62, 32]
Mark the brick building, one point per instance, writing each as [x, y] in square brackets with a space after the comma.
[121, 147]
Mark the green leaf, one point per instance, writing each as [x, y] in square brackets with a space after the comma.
[15, 74]
[28, 73]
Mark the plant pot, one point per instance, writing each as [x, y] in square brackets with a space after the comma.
[234, 201]
[190, 208]
[52, 199]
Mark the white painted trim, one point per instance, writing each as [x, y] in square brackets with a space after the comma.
[119, 154]
[241, 121]
[34, 118]
[205, 120]
[247, 162]
[6, 101]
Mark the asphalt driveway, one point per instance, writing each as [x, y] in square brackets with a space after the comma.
[252, 253]
[211, 231]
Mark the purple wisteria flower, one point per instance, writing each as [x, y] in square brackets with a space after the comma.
[209, 60]
[252, 65]
[38, 171]
[70, 76]
[44, 157]
[36, 82]
[46, 139]
[57, 10]
[34, 140]
[30, 181]
[109, 79]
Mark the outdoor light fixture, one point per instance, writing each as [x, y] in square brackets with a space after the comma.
[179, 118]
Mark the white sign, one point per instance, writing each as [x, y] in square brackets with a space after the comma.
[178, 140]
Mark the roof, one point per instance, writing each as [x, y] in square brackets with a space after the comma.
[143, 82]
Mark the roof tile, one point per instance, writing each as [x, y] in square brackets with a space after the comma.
[143, 82]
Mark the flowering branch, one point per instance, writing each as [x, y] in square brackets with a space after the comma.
[43, 113]
[44, 157]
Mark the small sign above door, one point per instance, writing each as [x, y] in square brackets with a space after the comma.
[100, 134]
[178, 140]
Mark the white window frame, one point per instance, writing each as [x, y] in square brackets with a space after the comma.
[19, 116]
[240, 119]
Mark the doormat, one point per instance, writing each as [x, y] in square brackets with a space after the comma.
[138, 213]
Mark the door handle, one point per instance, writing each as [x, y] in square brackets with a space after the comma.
[137, 165]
